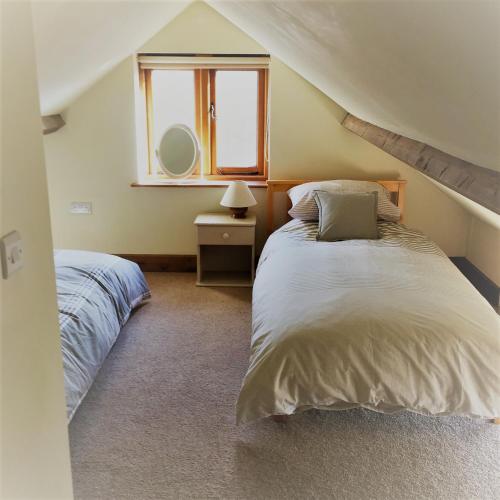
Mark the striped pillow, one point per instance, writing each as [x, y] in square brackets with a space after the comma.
[304, 206]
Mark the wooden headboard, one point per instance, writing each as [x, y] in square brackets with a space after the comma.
[396, 188]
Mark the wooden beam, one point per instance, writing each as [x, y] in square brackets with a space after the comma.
[52, 123]
[479, 184]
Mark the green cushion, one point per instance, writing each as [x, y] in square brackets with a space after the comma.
[347, 216]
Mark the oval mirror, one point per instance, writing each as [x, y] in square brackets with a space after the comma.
[178, 151]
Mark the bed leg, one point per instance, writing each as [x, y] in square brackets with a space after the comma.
[280, 419]
[495, 421]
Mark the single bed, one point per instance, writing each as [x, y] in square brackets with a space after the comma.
[387, 324]
[96, 293]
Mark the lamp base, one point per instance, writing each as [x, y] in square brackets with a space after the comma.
[239, 213]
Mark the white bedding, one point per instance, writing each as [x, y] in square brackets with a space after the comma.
[385, 324]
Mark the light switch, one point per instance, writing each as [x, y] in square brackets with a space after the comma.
[11, 250]
[81, 207]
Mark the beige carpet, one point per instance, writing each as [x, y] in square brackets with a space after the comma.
[159, 423]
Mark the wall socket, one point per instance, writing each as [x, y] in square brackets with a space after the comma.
[81, 207]
[11, 250]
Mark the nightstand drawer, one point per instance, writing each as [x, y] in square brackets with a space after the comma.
[226, 235]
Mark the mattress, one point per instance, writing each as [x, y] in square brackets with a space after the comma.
[387, 324]
[96, 293]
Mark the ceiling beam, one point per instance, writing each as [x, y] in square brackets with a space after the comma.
[479, 184]
[52, 123]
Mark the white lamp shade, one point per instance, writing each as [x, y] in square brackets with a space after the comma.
[238, 195]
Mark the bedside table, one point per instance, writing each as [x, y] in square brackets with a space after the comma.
[226, 250]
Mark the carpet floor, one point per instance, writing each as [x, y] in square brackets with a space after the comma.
[159, 422]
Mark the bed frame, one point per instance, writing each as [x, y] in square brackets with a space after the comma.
[395, 187]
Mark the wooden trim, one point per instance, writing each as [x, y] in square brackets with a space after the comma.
[212, 124]
[261, 167]
[207, 179]
[200, 54]
[237, 170]
[163, 262]
[261, 121]
[206, 128]
[232, 177]
[265, 118]
[148, 94]
[200, 61]
[395, 187]
[198, 97]
[479, 184]
[205, 124]
[196, 183]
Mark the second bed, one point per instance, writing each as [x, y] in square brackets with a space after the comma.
[387, 324]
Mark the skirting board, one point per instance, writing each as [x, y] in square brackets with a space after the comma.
[163, 263]
[487, 288]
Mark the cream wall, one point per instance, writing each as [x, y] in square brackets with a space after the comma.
[483, 248]
[34, 441]
[93, 158]
[308, 141]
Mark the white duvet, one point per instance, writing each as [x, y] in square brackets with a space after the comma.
[387, 324]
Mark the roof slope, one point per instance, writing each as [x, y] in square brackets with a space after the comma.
[425, 70]
[77, 42]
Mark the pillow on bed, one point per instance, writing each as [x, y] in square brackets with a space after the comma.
[346, 216]
[304, 206]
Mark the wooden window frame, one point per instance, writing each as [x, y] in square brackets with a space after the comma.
[258, 169]
[206, 126]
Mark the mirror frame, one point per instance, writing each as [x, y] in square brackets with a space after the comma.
[196, 155]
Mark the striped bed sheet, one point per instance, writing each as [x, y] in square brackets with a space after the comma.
[96, 294]
[391, 235]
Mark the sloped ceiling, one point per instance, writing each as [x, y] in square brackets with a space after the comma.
[429, 70]
[77, 42]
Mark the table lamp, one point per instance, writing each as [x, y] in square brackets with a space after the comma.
[238, 198]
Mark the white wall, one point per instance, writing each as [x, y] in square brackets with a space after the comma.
[34, 441]
[94, 156]
[483, 248]
[483, 239]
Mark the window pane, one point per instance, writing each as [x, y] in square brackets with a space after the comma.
[173, 102]
[236, 110]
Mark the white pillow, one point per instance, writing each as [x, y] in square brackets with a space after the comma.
[304, 206]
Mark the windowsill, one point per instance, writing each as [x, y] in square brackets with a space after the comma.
[195, 183]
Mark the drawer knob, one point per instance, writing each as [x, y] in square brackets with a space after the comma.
[225, 236]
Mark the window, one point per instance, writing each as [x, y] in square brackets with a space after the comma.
[222, 99]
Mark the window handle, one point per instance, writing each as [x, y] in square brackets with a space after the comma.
[212, 111]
